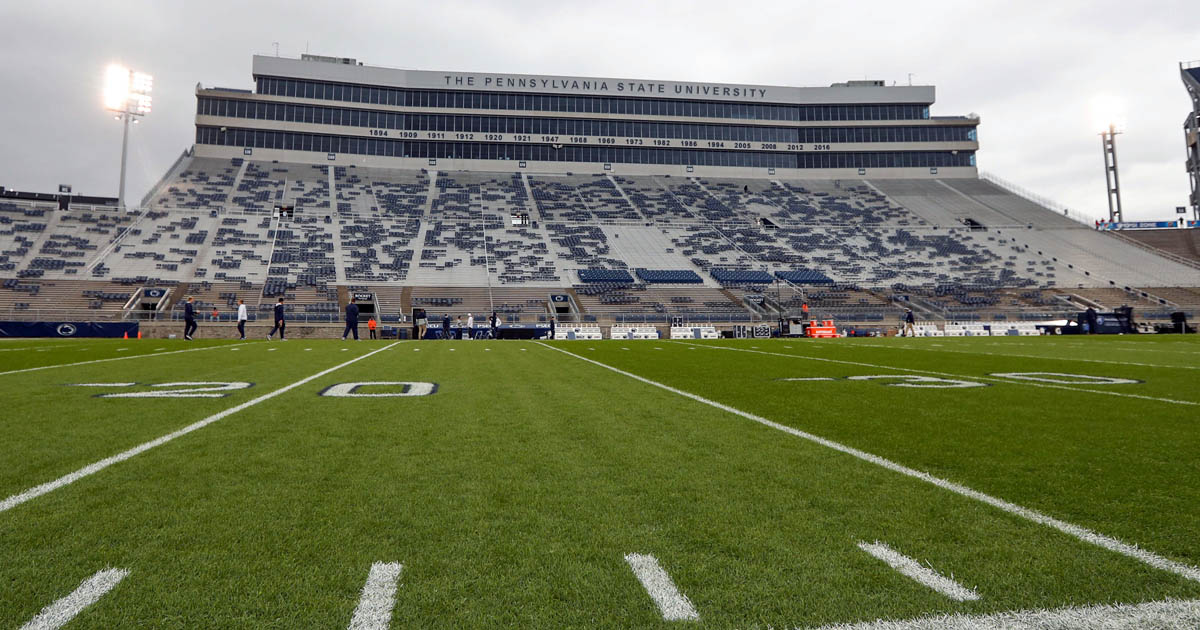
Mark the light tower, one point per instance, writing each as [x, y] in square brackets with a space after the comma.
[126, 93]
[1190, 73]
[1113, 183]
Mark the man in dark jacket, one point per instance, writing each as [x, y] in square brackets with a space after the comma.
[189, 319]
[551, 328]
[495, 325]
[446, 326]
[280, 324]
[351, 319]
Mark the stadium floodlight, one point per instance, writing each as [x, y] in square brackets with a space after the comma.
[128, 94]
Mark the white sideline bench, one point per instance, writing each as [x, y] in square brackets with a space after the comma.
[694, 332]
[578, 332]
[633, 332]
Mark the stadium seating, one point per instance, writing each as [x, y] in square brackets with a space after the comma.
[631, 248]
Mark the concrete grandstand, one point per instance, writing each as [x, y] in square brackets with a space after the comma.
[723, 237]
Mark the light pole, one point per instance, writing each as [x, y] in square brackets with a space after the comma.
[1112, 183]
[127, 93]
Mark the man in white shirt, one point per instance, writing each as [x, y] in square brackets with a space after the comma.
[470, 332]
[242, 317]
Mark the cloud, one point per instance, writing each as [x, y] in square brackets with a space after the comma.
[1030, 69]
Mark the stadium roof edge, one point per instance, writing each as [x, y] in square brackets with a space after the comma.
[287, 67]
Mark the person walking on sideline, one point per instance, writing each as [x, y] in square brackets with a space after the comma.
[420, 321]
[371, 326]
[551, 328]
[909, 331]
[242, 317]
[495, 325]
[470, 326]
[189, 319]
[280, 324]
[446, 326]
[351, 319]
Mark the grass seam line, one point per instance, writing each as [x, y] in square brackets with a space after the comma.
[62, 611]
[90, 469]
[134, 356]
[921, 574]
[1076, 531]
[374, 610]
[957, 376]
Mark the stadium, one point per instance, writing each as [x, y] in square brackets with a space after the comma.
[650, 354]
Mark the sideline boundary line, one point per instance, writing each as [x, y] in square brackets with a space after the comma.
[90, 469]
[135, 356]
[1075, 531]
[1170, 613]
[957, 376]
[1029, 356]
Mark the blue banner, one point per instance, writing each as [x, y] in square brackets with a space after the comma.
[68, 329]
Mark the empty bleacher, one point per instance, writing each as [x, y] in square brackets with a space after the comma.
[631, 245]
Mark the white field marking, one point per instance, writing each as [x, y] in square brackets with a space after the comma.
[1165, 614]
[159, 349]
[308, 349]
[416, 349]
[1075, 531]
[272, 349]
[122, 349]
[487, 349]
[917, 381]
[657, 348]
[956, 376]
[374, 611]
[922, 574]
[234, 349]
[522, 349]
[191, 390]
[810, 378]
[348, 390]
[102, 384]
[61, 612]
[1034, 356]
[90, 469]
[1066, 379]
[451, 349]
[137, 356]
[345, 349]
[674, 605]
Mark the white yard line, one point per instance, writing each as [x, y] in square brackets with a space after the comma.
[1030, 356]
[1159, 615]
[674, 605]
[374, 611]
[37, 491]
[59, 613]
[136, 356]
[924, 575]
[1075, 531]
[955, 376]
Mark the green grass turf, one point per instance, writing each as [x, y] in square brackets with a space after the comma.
[512, 494]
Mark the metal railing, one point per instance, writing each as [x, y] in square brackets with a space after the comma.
[1040, 200]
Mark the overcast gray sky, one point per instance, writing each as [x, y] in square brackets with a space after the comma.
[1044, 76]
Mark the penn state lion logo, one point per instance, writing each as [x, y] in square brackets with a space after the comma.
[66, 330]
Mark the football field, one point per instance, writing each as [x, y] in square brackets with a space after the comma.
[945, 482]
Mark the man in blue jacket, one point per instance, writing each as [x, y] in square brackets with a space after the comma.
[280, 324]
[351, 319]
[189, 319]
